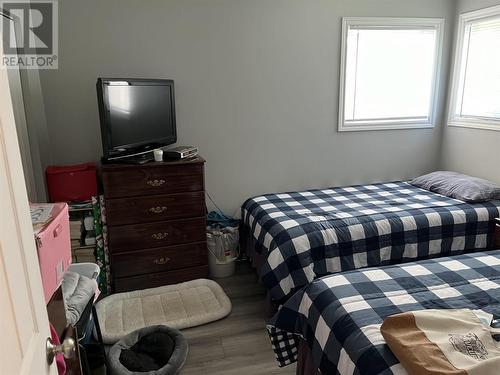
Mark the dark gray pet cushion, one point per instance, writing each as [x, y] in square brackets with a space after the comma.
[459, 186]
[174, 364]
[150, 353]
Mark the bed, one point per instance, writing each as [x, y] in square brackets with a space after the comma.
[333, 324]
[299, 236]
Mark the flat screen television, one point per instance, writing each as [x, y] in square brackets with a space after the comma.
[137, 115]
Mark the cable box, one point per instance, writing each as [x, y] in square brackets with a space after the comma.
[180, 152]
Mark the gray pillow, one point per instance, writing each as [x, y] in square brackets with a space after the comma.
[459, 186]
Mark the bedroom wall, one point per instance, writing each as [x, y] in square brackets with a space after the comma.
[472, 151]
[256, 88]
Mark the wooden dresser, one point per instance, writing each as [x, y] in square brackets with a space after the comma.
[156, 219]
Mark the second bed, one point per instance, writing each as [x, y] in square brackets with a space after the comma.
[332, 326]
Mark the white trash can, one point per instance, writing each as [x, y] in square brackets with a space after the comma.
[223, 250]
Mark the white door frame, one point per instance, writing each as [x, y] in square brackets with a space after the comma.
[23, 316]
[18, 104]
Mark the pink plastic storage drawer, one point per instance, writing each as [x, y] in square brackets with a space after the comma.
[54, 249]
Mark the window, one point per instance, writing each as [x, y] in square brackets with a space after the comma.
[475, 96]
[389, 70]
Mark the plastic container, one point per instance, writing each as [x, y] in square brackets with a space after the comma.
[223, 246]
[219, 269]
[54, 249]
[71, 183]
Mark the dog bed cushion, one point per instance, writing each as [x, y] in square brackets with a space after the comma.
[155, 350]
[179, 306]
[77, 291]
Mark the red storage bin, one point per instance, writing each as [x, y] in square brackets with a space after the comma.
[71, 183]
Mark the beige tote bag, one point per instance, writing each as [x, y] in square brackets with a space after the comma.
[443, 342]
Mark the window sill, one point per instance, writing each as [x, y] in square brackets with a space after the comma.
[476, 124]
[369, 126]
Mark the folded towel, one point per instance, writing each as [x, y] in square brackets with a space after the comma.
[88, 223]
[443, 342]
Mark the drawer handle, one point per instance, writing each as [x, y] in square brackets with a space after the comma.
[155, 183]
[157, 209]
[159, 236]
[162, 260]
[57, 230]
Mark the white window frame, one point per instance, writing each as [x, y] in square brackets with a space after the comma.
[476, 122]
[387, 23]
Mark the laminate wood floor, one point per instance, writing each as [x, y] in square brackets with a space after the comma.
[237, 344]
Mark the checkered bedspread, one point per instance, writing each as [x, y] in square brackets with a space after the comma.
[309, 234]
[339, 316]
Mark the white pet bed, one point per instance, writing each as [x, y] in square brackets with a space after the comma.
[178, 306]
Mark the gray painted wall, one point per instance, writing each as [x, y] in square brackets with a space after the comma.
[256, 88]
[472, 151]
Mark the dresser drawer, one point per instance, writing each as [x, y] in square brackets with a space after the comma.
[143, 236]
[159, 259]
[153, 280]
[155, 208]
[129, 182]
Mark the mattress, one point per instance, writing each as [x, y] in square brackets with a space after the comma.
[309, 234]
[339, 316]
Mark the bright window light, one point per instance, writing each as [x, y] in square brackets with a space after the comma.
[389, 69]
[476, 81]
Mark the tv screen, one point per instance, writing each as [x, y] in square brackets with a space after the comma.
[136, 115]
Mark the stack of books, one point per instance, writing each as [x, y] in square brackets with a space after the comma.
[75, 232]
[84, 255]
[82, 233]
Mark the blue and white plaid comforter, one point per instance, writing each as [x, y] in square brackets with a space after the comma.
[339, 316]
[304, 235]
